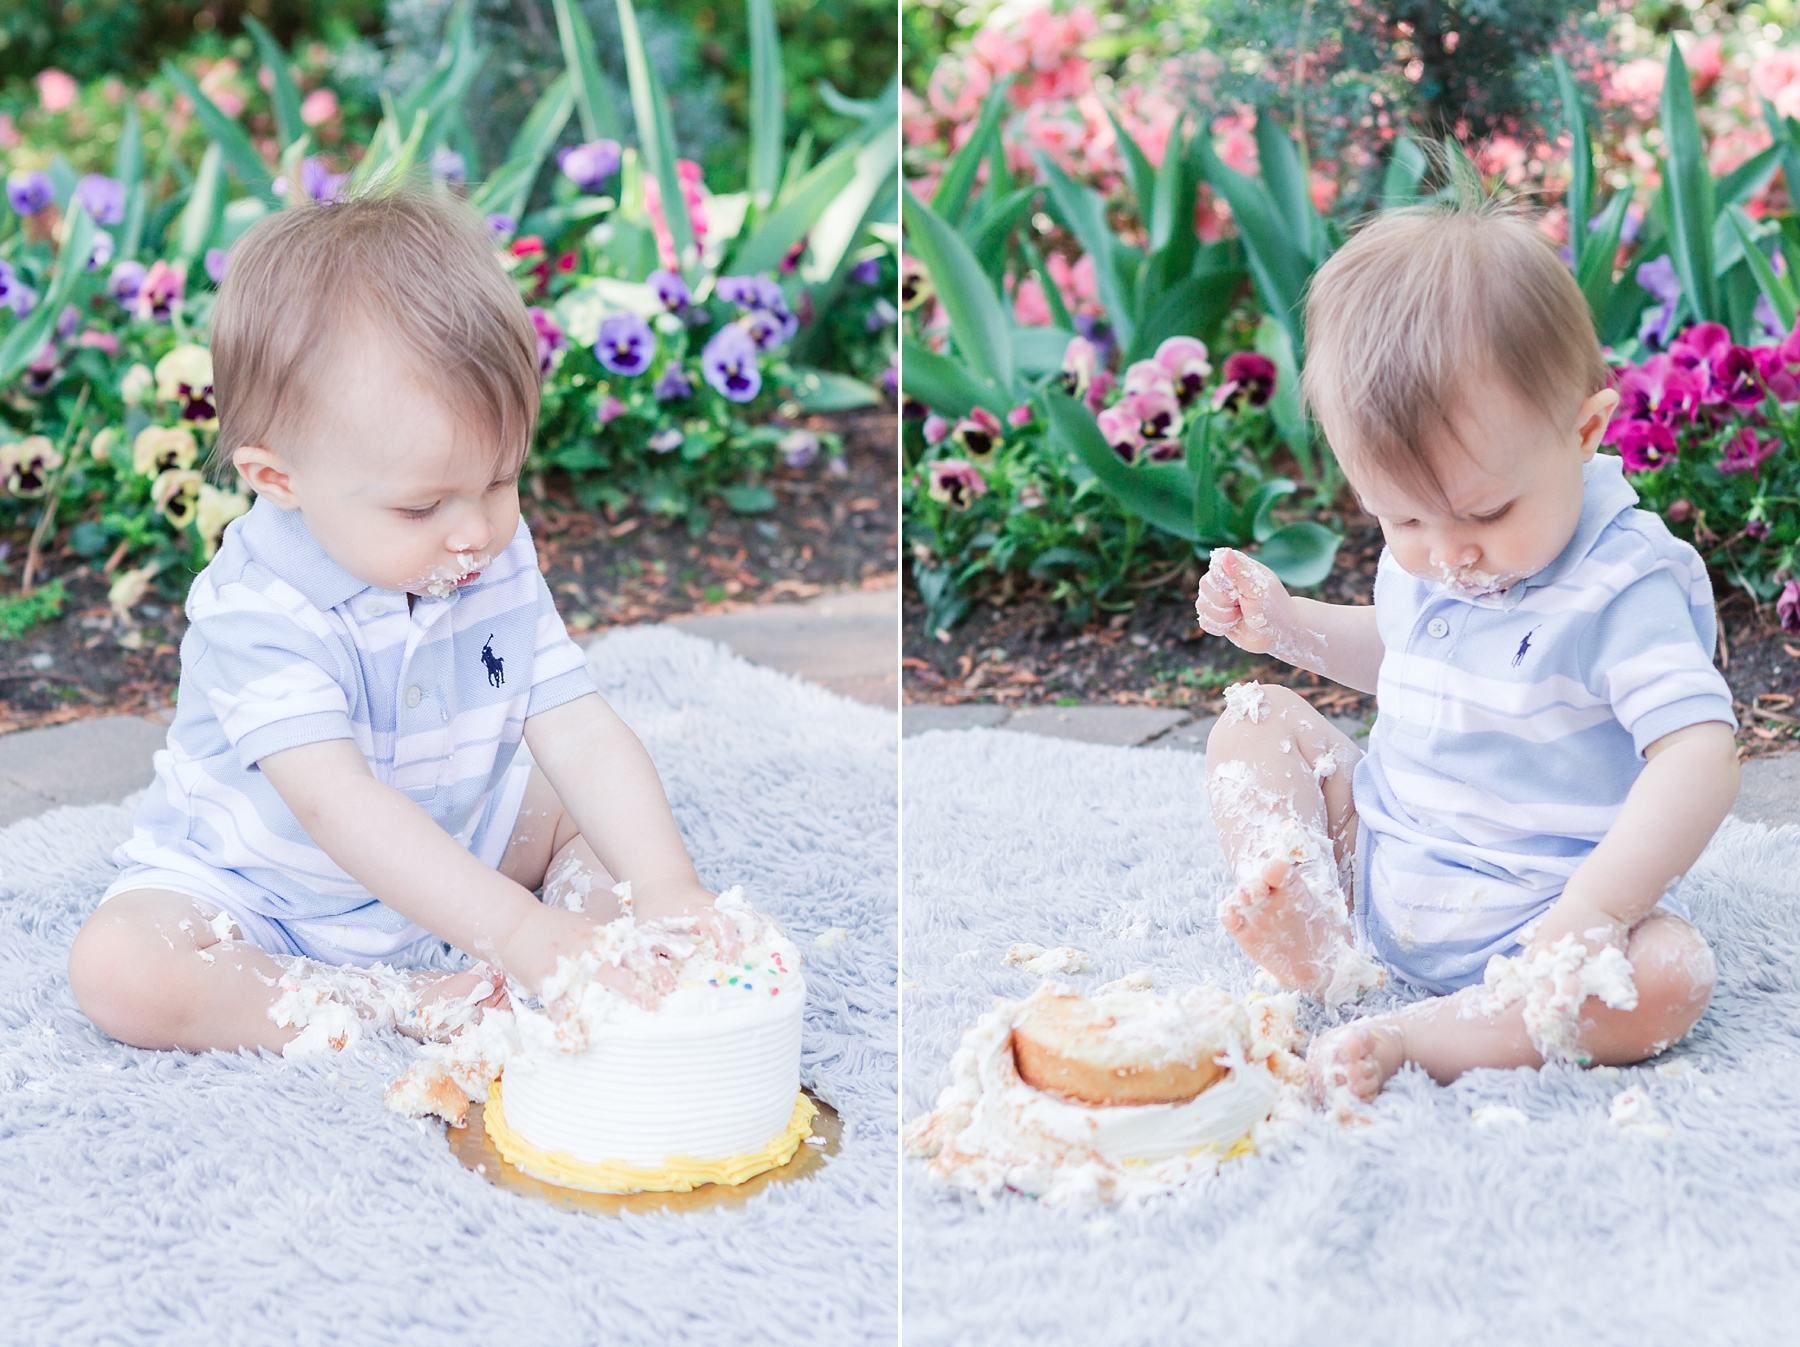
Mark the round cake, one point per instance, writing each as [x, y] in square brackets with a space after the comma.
[1122, 1048]
[702, 1085]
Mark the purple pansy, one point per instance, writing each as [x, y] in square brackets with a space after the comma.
[666, 441]
[589, 166]
[765, 329]
[126, 280]
[14, 293]
[670, 289]
[673, 385]
[217, 260]
[1248, 378]
[1787, 607]
[448, 165]
[103, 250]
[1658, 277]
[866, 272]
[102, 197]
[67, 321]
[501, 226]
[729, 364]
[799, 448]
[752, 292]
[30, 192]
[625, 344]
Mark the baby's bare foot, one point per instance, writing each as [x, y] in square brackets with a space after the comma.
[1350, 1064]
[1288, 932]
[444, 1006]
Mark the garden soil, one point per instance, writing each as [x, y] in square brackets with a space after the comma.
[828, 530]
[1020, 652]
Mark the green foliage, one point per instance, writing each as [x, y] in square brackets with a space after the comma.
[19, 614]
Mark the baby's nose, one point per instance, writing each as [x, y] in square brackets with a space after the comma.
[470, 537]
[1453, 555]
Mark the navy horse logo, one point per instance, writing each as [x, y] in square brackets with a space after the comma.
[496, 666]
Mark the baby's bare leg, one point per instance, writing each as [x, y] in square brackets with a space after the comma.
[149, 969]
[1672, 967]
[1279, 784]
[547, 849]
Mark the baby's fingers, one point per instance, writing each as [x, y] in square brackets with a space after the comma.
[1249, 580]
[1216, 603]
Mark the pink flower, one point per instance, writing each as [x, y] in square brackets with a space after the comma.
[1637, 85]
[1079, 364]
[1777, 374]
[1658, 389]
[1020, 416]
[1747, 451]
[1184, 359]
[1643, 445]
[161, 291]
[1236, 141]
[1776, 77]
[1787, 607]
[610, 409]
[936, 428]
[1705, 62]
[56, 91]
[1123, 430]
[10, 139]
[1147, 376]
[1248, 379]
[1030, 308]
[956, 483]
[1100, 388]
[319, 107]
[104, 341]
[979, 433]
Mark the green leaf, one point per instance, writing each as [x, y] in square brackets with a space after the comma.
[989, 234]
[1747, 179]
[788, 224]
[1039, 350]
[1786, 133]
[1281, 269]
[1689, 186]
[1285, 175]
[1272, 340]
[1210, 506]
[282, 94]
[1775, 289]
[1161, 494]
[1192, 307]
[977, 322]
[768, 136]
[944, 385]
[854, 108]
[1137, 163]
[1260, 509]
[1084, 211]
[131, 229]
[823, 390]
[227, 134]
[748, 499]
[22, 344]
[656, 138]
[1301, 554]
[1405, 171]
[952, 196]
[205, 208]
[1173, 241]
[1059, 312]
[1580, 197]
[128, 156]
[593, 96]
[509, 187]
[1595, 274]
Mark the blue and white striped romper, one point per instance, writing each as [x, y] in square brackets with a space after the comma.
[1510, 728]
[285, 648]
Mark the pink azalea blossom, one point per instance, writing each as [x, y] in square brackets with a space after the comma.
[1637, 85]
[56, 91]
[1776, 77]
[319, 107]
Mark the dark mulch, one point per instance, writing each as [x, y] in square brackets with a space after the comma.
[1022, 653]
[826, 531]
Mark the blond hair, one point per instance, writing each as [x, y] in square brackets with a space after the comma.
[1421, 300]
[407, 263]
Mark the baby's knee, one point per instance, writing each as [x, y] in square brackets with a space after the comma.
[1259, 724]
[1674, 969]
[120, 981]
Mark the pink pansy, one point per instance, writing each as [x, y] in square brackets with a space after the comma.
[1185, 360]
[610, 409]
[1157, 411]
[1657, 389]
[161, 291]
[955, 482]
[1147, 376]
[104, 341]
[1736, 380]
[979, 433]
[1248, 379]
[1020, 416]
[1747, 451]
[1787, 607]
[1100, 388]
[936, 429]
[1643, 445]
[318, 107]
[1123, 430]
[1079, 363]
[1777, 374]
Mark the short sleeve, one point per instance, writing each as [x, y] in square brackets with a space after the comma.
[1646, 655]
[268, 672]
[559, 667]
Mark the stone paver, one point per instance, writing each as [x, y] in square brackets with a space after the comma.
[848, 641]
[84, 762]
[1122, 725]
[1770, 790]
[971, 716]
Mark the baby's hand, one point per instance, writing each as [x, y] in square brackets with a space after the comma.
[546, 935]
[1241, 600]
[663, 899]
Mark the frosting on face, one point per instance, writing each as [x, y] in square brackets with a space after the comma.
[992, 1131]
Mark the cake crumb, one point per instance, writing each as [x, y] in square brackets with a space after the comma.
[1043, 962]
[1633, 1112]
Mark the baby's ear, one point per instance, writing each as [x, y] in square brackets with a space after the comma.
[264, 472]
[1591, 420]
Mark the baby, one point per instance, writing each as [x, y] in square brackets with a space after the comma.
[1554, 747]
[364, 655]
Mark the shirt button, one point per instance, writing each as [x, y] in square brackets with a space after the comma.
[376, 609]
[1437, 626]
[412, 696]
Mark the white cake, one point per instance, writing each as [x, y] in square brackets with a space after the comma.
[605, 1093]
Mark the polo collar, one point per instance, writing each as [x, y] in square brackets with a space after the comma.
[280, 540]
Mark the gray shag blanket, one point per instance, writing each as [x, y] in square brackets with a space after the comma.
[161, 1197]
[1423, 1228]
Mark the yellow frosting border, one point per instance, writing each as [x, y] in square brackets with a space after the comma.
[680, 1175]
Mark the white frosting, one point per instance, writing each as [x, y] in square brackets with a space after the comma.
[1633, 1113]
[992, 1131]
[1553, 983]
[1043, 962]
[1245, 701]
[706, 1071]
